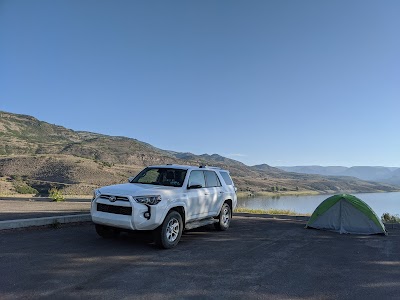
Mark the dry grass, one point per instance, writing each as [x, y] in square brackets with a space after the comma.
[6, 187]
[274, 194]
[269, 211]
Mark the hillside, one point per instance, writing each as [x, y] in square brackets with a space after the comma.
[388, 175]
[41, 155]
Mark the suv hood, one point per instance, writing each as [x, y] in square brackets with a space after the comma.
[136, 189]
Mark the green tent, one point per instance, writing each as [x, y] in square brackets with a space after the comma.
[346, 214]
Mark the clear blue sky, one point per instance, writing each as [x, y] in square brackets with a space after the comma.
[277, 82]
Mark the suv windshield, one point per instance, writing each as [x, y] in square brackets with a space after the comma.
[161, 176]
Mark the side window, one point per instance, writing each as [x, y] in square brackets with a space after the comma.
[212, 179]
[226, 178]
[197, 177]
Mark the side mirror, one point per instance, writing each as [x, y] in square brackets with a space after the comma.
[194, 186]
[130, 179]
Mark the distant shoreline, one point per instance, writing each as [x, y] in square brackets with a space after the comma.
[240, 195]
[272, 194]
[301, 193]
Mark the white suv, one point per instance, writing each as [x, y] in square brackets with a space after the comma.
[167, 199]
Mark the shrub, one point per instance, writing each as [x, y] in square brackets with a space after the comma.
[16, 177]
[107, 164]
[56, 194]
[21, 187]
[388, 218]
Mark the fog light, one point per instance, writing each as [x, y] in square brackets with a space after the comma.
[147, 215]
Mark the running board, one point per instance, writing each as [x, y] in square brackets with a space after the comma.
[200, 223]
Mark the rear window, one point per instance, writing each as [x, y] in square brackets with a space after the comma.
[226, 178]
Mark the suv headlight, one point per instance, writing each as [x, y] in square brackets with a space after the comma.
[150, 200]
[96, 193]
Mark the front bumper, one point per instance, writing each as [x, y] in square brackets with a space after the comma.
[115, 214]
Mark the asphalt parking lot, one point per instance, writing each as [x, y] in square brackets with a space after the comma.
[25, 208]
[257, 258]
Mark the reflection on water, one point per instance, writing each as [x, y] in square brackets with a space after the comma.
[379, 202]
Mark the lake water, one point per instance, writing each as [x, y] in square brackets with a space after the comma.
[379, 202]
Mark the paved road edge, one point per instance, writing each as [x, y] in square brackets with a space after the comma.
[33, 222]
[21, 223]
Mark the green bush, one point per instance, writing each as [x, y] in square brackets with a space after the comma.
[107, 164]
[16, 177]
[388, 218]
[21, 187]
[56, 195]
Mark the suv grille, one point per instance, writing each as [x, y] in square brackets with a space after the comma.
[117, 198]
[112, 209]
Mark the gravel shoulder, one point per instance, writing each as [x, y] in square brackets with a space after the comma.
[259, 257]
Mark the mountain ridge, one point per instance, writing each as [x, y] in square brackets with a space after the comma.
[389, 175]
[41, 153]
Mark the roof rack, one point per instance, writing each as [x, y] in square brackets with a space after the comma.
[217, 168]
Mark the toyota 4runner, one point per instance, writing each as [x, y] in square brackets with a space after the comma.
[166, 199]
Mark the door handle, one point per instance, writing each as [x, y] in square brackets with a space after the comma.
[206, 194]
[221, 192]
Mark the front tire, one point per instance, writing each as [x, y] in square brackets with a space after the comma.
[224, 218]
[170, 231]
[106, 232]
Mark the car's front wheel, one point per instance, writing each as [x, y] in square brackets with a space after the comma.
[106, 231]
[224, 218]
[170, 231]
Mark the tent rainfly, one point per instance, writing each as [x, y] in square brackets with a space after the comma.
[346, 214]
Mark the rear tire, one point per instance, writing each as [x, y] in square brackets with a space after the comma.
[168, 234]
[106, 232]
[224, 218]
